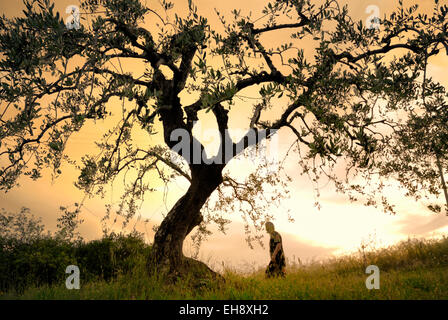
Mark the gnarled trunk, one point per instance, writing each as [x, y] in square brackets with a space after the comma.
[183, 217]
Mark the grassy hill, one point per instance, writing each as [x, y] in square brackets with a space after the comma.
[413, 269]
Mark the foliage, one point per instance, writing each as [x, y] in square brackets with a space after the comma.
[20, 226]
[416, 156]
[39, 259]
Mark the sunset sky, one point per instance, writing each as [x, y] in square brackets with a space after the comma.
[338, 227]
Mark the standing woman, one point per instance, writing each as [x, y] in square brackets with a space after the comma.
[277, 264]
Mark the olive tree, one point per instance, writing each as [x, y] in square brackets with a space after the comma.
[318, 85]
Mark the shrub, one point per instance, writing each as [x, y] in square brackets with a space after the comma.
[30, 258]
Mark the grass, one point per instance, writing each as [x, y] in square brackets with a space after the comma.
[413, 269]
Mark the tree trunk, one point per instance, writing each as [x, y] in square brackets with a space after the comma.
[445, 192]
[167, 253]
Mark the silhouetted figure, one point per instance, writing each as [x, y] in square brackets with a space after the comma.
[277, 264]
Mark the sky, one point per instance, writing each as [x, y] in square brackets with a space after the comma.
[338, 227]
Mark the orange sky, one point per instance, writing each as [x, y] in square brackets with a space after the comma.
[339, 226]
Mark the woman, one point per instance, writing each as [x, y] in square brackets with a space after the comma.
[277, 264]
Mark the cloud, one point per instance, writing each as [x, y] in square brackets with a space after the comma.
[422, 224]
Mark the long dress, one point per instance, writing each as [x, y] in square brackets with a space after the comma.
[276, 267]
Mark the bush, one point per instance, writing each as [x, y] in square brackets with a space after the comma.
[43, 261]
[30, 258]
[112, 255]
[38, 262]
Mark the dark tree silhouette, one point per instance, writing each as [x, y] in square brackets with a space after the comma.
[321, 85]
[416, 156]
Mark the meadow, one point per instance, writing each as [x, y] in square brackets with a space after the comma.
[412, 269]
